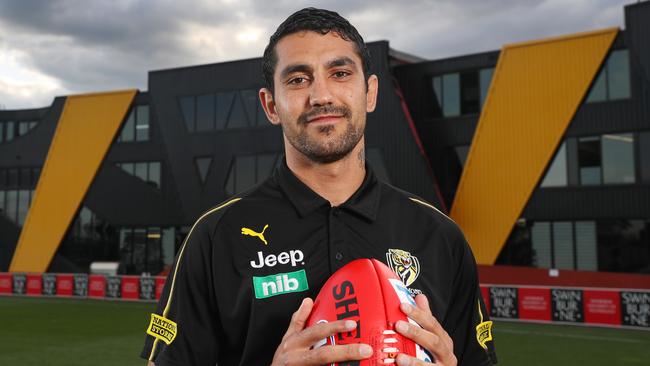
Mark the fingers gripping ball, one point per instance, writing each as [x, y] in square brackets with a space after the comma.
[368, 292]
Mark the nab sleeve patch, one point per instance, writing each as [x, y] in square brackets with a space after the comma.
[162, 328]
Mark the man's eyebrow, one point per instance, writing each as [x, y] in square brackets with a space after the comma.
[295, 68]
[341, 61]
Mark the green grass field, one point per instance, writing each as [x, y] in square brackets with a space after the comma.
[56, 332]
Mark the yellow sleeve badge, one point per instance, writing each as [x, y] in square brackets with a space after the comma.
[483, 330]
[162, 328]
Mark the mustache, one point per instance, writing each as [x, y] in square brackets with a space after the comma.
[322, 110]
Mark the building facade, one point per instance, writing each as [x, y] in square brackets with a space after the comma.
[199, 136]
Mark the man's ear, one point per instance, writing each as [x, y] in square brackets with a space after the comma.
[371, 95]
[266, 98]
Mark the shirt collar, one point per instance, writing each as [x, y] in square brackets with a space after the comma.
[365, 201]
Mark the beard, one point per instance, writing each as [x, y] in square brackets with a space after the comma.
[324, 148]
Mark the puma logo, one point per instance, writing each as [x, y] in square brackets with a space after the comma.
[250, 232]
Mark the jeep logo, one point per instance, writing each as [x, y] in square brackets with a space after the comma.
[293, 256]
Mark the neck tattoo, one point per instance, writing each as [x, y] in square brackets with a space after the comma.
[362, 158]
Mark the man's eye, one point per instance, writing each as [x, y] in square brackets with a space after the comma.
[298, 80]
[341, 74]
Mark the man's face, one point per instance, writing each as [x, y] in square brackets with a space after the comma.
[320, 95]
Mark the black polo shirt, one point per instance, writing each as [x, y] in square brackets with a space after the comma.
[246, 265]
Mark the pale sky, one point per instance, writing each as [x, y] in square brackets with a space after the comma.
[61, 47]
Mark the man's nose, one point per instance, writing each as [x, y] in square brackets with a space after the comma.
[320, 93]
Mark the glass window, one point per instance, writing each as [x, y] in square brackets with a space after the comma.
[598, 91]
[154, 174]
[230, 181]
[139, 250]
[470, 93]
[261, 116]
[563, 244]
[376, 160]
[224, 104]
[205, 110]
[9, 132]
[246, 171]
[618, 158]
[128, 167]
[128, 131]
[245, 177]
[187, 109]
[437, 90]
[541, 238]
[125, 238]
[25, 177]
[618, 75]
[623, 245]
[142, 123]
[265, 165]
[451, 95]
[12, 177]
[485, 76]
[203, 166]
[32, 124]
[644, 155]
[462, 152]
[12, 205]
[251, 104]
[141, 171]
[168, 244]
[556, 176]
[36, 173]
[589, 160]
[85, 222]
[23, 128]
[154, 258]
[237, 118]
[613, 81]
[586, 256]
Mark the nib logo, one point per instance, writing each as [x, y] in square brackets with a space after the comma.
[281, 283]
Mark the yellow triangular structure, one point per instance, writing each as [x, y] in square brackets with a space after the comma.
[536, 90]
[86, 129]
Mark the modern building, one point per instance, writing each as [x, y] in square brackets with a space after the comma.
[540, 151]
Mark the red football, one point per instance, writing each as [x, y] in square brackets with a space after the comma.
[368, 292]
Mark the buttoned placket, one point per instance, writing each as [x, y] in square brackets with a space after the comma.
[336, 239]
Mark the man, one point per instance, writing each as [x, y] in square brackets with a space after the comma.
[250, 262]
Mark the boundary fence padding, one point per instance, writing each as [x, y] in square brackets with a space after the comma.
[94, 286]
[620, 308]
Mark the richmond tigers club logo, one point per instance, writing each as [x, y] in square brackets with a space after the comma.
[406, 266]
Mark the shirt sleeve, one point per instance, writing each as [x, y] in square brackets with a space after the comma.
[185, 328]
[468, 321]
[148, 351]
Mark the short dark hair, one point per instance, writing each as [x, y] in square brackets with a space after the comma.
[316, 20]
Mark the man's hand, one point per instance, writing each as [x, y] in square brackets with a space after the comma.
[431, 336]
[295, 348]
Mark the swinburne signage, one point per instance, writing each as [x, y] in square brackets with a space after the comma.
[566, 305]
[503, 302]
[635, 309]
[81, 285]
